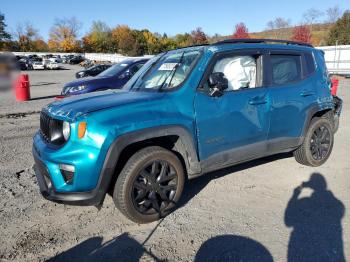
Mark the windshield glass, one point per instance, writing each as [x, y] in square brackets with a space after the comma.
[164, 71]
[114, 70]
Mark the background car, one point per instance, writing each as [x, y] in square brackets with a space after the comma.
[56, 58]
[52, 65]
[38, 66]
[92, 71]
[66, 58]
[113, 78]
[76, 60]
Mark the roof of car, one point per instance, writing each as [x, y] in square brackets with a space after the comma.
[251, 43]
[261, 41]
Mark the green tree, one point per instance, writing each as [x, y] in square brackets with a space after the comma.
[4, 36]
[140, 44]
[183, 40]
[340, 32]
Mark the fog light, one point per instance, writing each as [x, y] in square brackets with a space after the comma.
[67, 172]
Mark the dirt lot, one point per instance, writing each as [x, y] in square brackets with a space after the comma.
[237, 212]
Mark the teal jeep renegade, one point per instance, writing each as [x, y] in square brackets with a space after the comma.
[185, 113]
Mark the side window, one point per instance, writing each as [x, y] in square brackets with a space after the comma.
[135, 68]
[241, 71]
[285, 69]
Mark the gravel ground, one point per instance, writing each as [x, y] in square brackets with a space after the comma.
[236, 212]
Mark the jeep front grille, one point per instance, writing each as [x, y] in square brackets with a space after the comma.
[45, 126]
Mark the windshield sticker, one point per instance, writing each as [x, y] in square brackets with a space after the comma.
[123, 65]
[167, 66]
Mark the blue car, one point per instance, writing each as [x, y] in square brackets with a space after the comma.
[185, 113]
[114, 77]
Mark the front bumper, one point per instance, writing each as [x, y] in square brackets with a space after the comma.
[47, 189]
[82, 198]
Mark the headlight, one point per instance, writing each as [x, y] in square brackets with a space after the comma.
[77, 88]
[66, 130]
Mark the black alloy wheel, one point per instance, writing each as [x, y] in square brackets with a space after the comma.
[320, 143]
[150, 184]
[155, 187]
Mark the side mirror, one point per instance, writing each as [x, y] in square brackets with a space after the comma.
[217, 83]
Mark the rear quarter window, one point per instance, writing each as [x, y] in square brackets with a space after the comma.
[310, 64]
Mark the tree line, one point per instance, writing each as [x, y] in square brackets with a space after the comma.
[64, 35]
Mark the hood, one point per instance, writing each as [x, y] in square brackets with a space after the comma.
[72, 107]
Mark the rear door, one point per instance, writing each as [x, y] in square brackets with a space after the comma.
[292, 93]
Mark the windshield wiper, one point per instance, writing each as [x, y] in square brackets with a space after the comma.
[172, 73]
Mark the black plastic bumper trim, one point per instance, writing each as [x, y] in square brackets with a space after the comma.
[94, 197]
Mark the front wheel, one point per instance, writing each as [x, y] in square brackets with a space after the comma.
[318, 143]
[150, 185]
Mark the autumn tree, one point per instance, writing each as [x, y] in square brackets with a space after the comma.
[98, 39]
[152, 43]
[39, 45]
[241, 31]
[5, 37]
[63, 35]
[27, 37]
[124, 39]
[198, 37]
[302, 34]
[340, 32]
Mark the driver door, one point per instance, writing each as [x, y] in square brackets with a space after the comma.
[233, 127]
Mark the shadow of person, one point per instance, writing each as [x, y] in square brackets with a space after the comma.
[316, 223]
[121, 248]
[232, 248]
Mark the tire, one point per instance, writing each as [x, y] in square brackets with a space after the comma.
[308, 153]
[139, 179]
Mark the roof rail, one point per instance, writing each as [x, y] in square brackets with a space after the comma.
[259, 41]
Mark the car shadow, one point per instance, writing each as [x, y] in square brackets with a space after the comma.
[121, 248]
[45, 84]
[316, 223]
[126, 248]
[194, 186]
[232, 248]
[42, 97]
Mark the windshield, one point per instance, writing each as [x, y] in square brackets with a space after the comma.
[114, 70]
[165, 71]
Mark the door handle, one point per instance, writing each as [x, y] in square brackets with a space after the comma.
[257, 101]
[307, 93]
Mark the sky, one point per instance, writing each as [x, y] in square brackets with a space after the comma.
[170, 17]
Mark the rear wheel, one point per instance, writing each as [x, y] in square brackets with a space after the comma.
[150, 185]
[318, 143]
